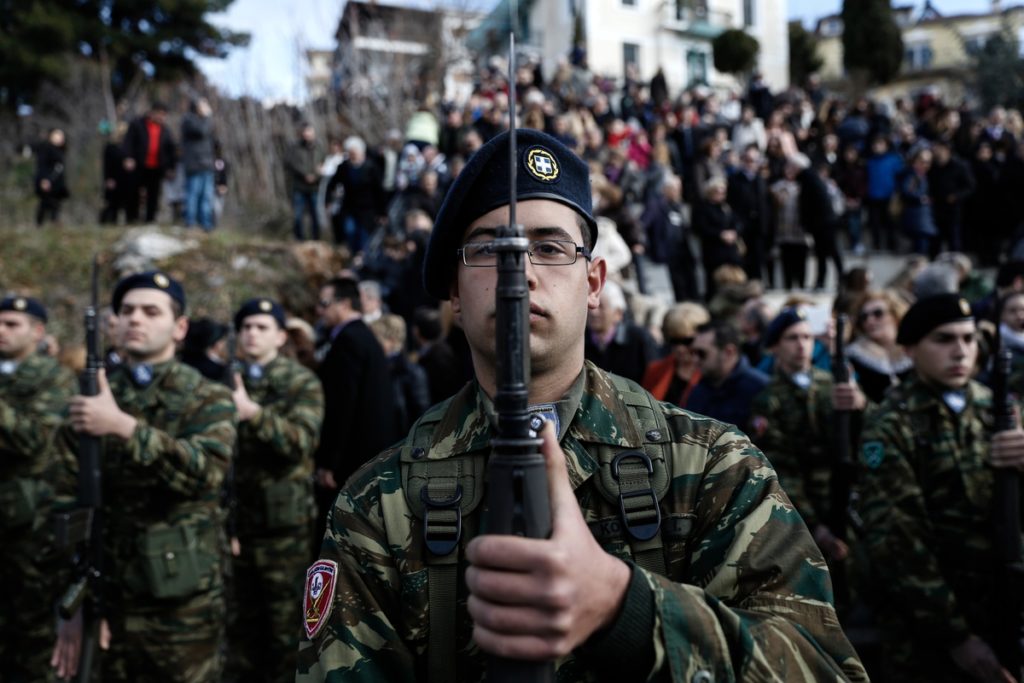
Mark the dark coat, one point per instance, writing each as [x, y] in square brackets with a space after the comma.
[446, 373]
[729, 402]
[628, 354]
[411, 392]
[136, 145]
[952, 180]
[196, 143]
[359, 409]
[710, 221]
[816, 212]
[50, 166]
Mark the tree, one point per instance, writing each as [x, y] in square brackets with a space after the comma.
[804, 59]
[872, 42]
[735, 51]
[999, 71]
[133, 40]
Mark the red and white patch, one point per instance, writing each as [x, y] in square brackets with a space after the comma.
[321, 580]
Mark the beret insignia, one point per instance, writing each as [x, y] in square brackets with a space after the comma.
[541, 164]
[20, 304]
[161, 281]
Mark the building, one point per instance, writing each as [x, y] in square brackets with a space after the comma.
[938, 49]
[319, 73]
[392, 59]
[620, 35]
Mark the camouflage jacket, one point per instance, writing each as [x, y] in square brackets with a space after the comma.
[169, 473]
[33, 401]
[754, 605]
[277, 444]
[926, 493]
[793, 426]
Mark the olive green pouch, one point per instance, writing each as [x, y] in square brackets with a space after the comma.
[19, 500]
[170, 556]
[286, 504]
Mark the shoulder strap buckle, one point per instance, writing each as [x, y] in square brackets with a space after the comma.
[442, 519]
[638, 502]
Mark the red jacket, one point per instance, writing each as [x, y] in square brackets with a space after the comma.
[658, 378]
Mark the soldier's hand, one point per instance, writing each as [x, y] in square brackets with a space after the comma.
[831, 545]
[104, 635]
[68, 649]
[538, 599]
[1008, 448]
[976, 658]
[325, 479]
[246, 407]
[848, 396]
[100, 415]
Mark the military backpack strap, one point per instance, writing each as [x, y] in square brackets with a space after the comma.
[441, 493]
[635, 481]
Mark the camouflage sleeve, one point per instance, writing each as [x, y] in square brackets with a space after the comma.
[197, 460]
[27, 428]
[360, 643]
[292, 433]
[760, 606]
[896, 527]
[781, 450]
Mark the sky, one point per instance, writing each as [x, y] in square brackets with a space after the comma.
[272, 66]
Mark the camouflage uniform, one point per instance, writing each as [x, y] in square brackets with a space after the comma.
[749, 605]
[273, 475]
[32, 402]
[926, 498]
[162, 537]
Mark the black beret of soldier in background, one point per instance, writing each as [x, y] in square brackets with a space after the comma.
[24, 304]
[929, 313]
[783, 321]
[545, 169]
[261, 306]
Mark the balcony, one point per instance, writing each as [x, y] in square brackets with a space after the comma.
[693, 18]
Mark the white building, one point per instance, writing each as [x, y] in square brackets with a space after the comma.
[675, 35]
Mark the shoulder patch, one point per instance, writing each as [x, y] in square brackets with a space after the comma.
[321, 580]
[872, 453]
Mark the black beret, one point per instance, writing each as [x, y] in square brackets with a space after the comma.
[545, 169]
[24, 304]
[260, 307]
[786, 318]
[150, 280]
[931, 312]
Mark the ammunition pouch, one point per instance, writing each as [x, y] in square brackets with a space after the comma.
[286, 504]
[20, 500]
[174, 560]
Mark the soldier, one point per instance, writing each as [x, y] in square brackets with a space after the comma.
[926, 501]
[167, 437]
[728, 584]
[280, 407]
[34, 392]
[793, 423]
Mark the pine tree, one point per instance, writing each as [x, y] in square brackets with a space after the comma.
[872, 41]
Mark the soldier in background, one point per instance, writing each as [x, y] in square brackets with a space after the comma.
[926, 499]
[793, 424]
[34, 391]
[167, 438]
[280, 407]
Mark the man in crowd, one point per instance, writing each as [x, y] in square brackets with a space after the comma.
[167, 435]
[728, 383]
[149, 156]
[303, 178]
[926, 500]
[34, 392]
[197, 159]
[614, 343]
[711, 603]
[280, 409]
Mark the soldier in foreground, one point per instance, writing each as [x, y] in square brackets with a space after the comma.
[927, 481]
[168, 436]
[793, 423]
[280, 406]
[34, 392]
[729, 586]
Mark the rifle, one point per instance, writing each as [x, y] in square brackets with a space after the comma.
[1006, 522]
[80, 530]
[517, 497]
[843, 466]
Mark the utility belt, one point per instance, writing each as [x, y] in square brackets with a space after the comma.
[21, 501]
[177, 560]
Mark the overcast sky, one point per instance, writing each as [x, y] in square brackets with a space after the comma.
[272, 67]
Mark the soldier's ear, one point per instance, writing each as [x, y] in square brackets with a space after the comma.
[453, 295]
[597, 271]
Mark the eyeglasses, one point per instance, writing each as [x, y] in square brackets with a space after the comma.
[324, 303]
[701, 354]
[680, 341]
[541, 253]
[877, 313]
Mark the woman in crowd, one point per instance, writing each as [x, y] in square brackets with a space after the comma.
[49, 180]
[877, 359]
[918, 221]
[673, 377]
[719, 230]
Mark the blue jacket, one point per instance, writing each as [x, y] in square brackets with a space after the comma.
[882, 172]
[730, 401]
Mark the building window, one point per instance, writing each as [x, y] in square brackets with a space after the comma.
[974, 46]
[918, 57]
[696, 68]
[748, 12]
[630, 57]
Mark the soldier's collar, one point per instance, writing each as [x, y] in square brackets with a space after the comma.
[561, 411]
[144, 375]
[603, 415]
